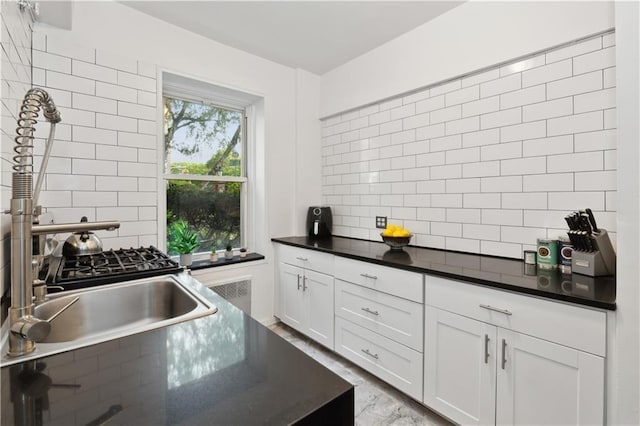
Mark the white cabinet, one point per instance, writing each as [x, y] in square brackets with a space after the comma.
[306, 302]
[489, 358]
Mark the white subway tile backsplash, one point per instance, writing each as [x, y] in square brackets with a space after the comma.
[70, 83]
[575, 85]
[596, 181]
[137, 199]
[501, 85]
[502, 151]
[113, 60]
[571, 201]
[94, 167]
[540, 111]
[78, 117]
[501, 184]
[463, 95]
[430, 104]
[481, 106]
[481, 169]
[593, 101]
[127, 109]
[116, 183]
[147, 98]
[481, 201]
[113, 91]
[550, 182]
[545, 74]
[486, 163]
[136, 81]
[72, 149]
[530, 201]
[93, 72]
[447, 143]
[464, 125]
[609, 77]
[548, 146]
[594, 61]
[115, 122]
[61, 47]
[65, 183]
[462, 186]
[481, 232]
[578, 123]
[521, 97]
[51, 62]
[116, 153]
[575, 49]
[93, 103]
[94, 199]
[501, 217]
[524, 65]
[575, 162]
[412, 122]
[483, 137]
[136, 140]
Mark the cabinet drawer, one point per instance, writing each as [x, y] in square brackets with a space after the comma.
[393, 317]
[390, 361]
[389, 280]
[573, 326]
[308, 259]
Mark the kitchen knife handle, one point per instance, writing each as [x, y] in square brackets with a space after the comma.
[592, 219]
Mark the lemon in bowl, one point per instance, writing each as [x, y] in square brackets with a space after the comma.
[396, 237]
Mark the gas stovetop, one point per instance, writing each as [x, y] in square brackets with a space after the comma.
[110, 266]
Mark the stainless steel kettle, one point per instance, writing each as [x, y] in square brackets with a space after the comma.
[82, 243]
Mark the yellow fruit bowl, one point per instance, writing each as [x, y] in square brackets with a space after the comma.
[396, 243]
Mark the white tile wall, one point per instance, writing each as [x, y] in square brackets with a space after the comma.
[486, 163]
[15, 79]
[109, 154]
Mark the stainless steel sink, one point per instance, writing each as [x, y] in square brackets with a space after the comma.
[117, 310]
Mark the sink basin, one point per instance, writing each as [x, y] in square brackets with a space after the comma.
[117, 310]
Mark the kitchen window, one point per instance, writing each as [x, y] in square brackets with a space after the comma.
[205, 175]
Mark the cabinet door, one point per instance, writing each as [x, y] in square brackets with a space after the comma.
[460, 367]
[543, 383]
[292, 309]
[318, 293]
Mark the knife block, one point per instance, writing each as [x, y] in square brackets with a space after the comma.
[596, 263]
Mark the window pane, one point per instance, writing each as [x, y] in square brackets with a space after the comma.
[202, 139]
[212, 209]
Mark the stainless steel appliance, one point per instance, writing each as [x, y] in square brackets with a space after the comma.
[319, 222]
[81, 271]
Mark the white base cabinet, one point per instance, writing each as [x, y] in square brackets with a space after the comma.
[307, 302]
[482, 373]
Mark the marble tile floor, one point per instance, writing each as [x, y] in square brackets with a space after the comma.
[377, 403]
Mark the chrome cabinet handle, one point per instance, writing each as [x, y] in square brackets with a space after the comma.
[366, 351]
[298, 281]
[370, 311]
[491, 308]
[304, 283]
[504, 352]
[486, 349]
[304, 259]
[373, 277]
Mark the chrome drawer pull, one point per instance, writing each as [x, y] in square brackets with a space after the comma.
[366, 351]
[491, 308]
[370, 311]
[304, 283]
[298, 281]
[504, 353]
[304, 259]
[486, 348]
[373, 277]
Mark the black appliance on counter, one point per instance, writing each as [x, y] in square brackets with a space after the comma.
[109, 266]
[319, 222]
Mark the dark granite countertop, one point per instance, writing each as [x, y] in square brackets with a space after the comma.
[223, 369]
[508, 274]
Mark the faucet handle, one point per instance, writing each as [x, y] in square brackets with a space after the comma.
[32, 328]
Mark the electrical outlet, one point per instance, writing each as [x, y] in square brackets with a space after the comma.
[381, 222]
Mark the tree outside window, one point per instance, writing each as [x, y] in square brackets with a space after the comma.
[204, 169]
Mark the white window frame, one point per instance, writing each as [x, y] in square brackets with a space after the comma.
[248, 188]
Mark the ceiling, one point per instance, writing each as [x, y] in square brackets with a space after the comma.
[313, 35]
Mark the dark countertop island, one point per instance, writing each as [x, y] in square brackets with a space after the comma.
[507, 274]
[223, 369]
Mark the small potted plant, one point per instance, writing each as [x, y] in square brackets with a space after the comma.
[229, 252]
[184, 241]
[214, 254]
[243, 252]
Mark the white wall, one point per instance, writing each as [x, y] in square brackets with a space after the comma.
[472, 36]
[112, 27]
